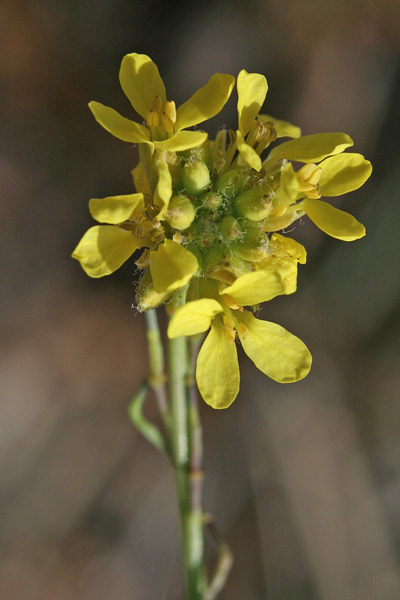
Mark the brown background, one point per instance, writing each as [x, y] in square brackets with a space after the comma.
[303, 480]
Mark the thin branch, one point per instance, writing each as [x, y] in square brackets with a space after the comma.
[146, 428]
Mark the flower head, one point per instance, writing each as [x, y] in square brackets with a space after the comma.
[206, 213]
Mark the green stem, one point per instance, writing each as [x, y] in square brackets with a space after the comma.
[190, 513]
[156, 376]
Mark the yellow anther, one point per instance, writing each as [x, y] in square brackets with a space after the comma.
[229, 322]
[314, 194]
[242, 329]
[223, 275]
[156, 105]
[168, 124]
[230, 302]
[305, 172]
[315, 177]
[229, 328]
[170, 110]
[308, 178]
[153, 118]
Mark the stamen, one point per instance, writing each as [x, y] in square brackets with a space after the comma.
[308, 178]
[229, 328]
[153, 116]
[143, 260]
[223, 275]
[156, 105]
[305, 172]
[167, 122]
[230, 302]
[153, 119]
[242, 329]
[170, 110]
[315, 177]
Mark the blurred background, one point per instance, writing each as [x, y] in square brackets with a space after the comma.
[303, 480]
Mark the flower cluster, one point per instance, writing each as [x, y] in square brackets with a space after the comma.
[206, 213]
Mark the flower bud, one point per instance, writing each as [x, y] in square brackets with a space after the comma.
[212, 200]
[230, 228]
[253, 205]
[231, 183]
[215, 257]
[195, 177]
[180, 213]
[253, 247]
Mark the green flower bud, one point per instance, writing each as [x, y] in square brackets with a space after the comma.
[231, 183]
[212, 200]
[253, 205]
[201, 153]
[195, 177]
[216, 257]
[180, 213]
[206, 239]
[230, 228]
[253, 247]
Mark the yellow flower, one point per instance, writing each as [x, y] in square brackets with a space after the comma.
[277, 353]
[165, 127]
[300, 192]
[126, 227]
[327, 171]
[260, 130]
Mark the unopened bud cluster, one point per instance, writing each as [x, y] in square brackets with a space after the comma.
[221, 218]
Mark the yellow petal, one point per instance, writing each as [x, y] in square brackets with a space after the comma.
[284, 246]
[114, 209]
[217, 371]
[206, 102]
[141, 82]
[276, 352]
[248, 154]
[140, 180]
[331, 220]
[171, 267]
[122, 128]
[287, 267]
[193, 317]
[312, 148]
[278, 222]
[289, 183]
[183, 140]
[104, 248]
[259, 286]
[343, 173]
[282, 128]
[252, 89]
[163, 191]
